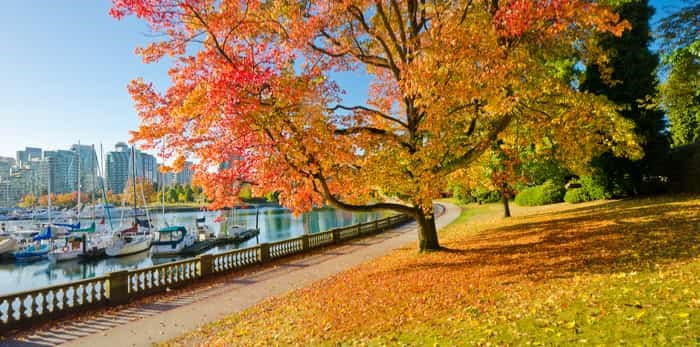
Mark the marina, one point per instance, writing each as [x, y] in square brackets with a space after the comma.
[274, 224]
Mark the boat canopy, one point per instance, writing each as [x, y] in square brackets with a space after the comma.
[43, 235]
[90, 229]
[69, 226]
[172, 229]
[144, 223]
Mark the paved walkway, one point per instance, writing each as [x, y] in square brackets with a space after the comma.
[172, 316]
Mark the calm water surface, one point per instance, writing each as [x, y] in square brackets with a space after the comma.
[275, 224]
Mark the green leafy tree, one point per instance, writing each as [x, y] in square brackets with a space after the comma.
[633, 80]
[680, 93]
[172, 195]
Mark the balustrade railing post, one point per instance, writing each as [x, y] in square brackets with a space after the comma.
[119, 287]
[265, 252]
[206, 262]
[336, 235]
[359, 228]
[305, 242]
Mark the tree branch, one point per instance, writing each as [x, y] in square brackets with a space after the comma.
[374, 131]
[370, 110]
[334, 201]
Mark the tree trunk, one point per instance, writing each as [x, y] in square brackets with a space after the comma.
[427, 232]
[506, 207]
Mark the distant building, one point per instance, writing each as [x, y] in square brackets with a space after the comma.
[62, 167]
[26, 155]
[9, 195]
[4, 170]
[147, 167]
[165, 179]
[184, 177]
[117, 165]
[88, 166]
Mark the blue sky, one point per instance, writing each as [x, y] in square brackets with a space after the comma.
[64, 67]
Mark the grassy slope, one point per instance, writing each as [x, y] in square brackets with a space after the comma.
[619, 272]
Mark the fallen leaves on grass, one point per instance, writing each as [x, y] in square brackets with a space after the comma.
[555, 275]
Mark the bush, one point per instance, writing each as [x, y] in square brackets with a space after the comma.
[483, 196]
[595, 189]
[590, 189]
[547, 193]
[576, 195]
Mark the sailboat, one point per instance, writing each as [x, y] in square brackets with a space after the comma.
[131, 240]
[74, 242]
[237, 232]
[171, 240]
[8, 245]
[39, 248]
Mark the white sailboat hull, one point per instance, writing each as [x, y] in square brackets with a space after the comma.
[122, 248]
[66, 255]
[8, 246]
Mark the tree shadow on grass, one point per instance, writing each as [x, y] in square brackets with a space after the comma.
[620, 236]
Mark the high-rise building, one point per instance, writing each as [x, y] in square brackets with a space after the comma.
[165, 179]
[184, 177]
[4, 170]
[117, 165]
[26, 178]
[147, 167]
[62, 166]
[9, 196]
[88, 166]
[26, 155]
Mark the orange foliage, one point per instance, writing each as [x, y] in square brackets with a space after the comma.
[447, 78]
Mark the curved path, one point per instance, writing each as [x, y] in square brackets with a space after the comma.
[172, 316]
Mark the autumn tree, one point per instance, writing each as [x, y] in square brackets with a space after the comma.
[144, 190]
[28, 201]
[254, 80]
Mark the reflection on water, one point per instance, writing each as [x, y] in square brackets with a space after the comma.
[275, 224]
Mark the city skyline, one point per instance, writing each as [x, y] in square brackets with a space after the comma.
[36, 171]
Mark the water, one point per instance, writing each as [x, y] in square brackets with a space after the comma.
[275, 224]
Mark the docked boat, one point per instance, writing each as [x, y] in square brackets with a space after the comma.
[32, 252]
[8, 245]
[172, 240]
[37, 249]
[70, 248]
[203, 231]
[128, 241]
[137, 238]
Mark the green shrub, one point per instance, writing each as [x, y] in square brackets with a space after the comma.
[595, 189]
[576, 195]
[483, 196]
[547, 193]
[462, 194]
[591, 189]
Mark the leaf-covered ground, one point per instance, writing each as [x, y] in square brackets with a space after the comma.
[611, 273]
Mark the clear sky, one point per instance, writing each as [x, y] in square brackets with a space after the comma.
[64, 68]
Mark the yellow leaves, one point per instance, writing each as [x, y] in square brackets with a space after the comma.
[682, 315]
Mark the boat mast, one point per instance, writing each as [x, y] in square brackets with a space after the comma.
[162, 188]
[94, 186]
[133, 164]
[79, 190]
[104, 191]
[48, 166]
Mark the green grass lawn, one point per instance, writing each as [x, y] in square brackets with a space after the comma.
[601, 273]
